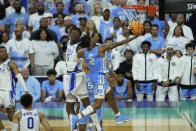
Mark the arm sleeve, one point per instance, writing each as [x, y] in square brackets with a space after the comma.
[37, 88]
[21, 80]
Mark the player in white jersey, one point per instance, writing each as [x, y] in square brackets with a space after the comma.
[7, 94]
[75, 84]
[29, 119]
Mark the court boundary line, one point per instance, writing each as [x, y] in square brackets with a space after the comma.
[187, 118]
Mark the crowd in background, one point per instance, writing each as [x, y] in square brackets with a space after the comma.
[36, 34]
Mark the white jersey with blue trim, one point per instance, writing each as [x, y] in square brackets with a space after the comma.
[6, 77]
[29, 120]
[71, 58]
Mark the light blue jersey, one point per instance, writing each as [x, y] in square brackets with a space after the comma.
[97, 66]
[13, 18]
[52, 90]
[121, 91]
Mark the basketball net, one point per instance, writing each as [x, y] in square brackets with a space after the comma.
[137, 13]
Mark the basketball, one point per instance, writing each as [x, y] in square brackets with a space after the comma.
[137, 28]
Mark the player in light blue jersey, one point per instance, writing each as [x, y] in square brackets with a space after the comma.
[123, 89]
[89, 85]
[94, 57]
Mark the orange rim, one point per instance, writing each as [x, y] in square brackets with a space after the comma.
[151, 9]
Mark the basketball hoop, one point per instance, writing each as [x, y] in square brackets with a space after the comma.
[136, 15]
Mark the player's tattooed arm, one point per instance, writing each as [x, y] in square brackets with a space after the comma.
[105, 47]
[13, 67]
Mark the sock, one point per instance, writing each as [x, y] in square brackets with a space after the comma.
[118, 114]
[96, 121]
[88, 110]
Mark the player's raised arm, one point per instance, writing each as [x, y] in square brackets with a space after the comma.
[14, 68]
[16, 119]
[106, 47]
[44, 122]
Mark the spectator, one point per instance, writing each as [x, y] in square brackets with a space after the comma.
[117, 10]
[97, 14]
[129, 46]
[12, 18]
[114, 31]
[178, 53]
[4, 39]
[106, 23]
[9, 10]
[178, 40]
[31, 9]
[44, 25]
[52, 89]
[25, 34]
[61, 68]
[147, 33]
[60, 9]
[157, 42]
[113, 56]
[46, 52]
[161, 25]
[79, 12]
[97, 38]
[172, 23]
[90, 28]
[143, 70]
[82, 25]
[33, 86]
[126, 66]
[123, 90]
[20, 50]
[186, 29]
[2, 17]
[67, 21]
[168, 68]
[188, 71]
[34, 20]
[60, 25]
[52, 28]
[70, 4]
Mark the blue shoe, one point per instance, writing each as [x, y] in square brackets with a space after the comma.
[121, 119]
[73, 121]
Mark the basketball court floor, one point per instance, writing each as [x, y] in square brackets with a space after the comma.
[148, 116]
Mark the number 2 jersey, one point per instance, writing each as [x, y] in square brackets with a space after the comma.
[29, 120]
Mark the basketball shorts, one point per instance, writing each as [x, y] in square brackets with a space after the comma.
[145, 88]
[186, 93]
[100, 84]
[7, 98]
[75, 86]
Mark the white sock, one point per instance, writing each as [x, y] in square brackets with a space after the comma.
[96, 121]
[88, 110]
[118, 114]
